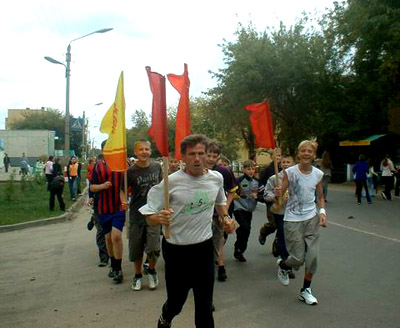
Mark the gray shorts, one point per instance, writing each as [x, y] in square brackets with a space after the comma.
[302, 243]
[144, 238]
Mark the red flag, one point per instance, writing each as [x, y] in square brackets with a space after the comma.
[261, 124]
[182, 129]
[158, 130]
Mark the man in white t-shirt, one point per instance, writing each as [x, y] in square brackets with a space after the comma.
[193, 194]
[48, 170]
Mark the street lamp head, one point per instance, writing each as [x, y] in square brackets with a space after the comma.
[104, 30]
[52, 60]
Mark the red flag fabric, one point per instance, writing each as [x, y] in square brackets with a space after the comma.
[182, 129]
[158, 130]
[261, 124]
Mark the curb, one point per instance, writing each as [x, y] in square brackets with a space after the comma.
[67, 216]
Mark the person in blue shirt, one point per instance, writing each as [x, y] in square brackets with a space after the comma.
[360, 170]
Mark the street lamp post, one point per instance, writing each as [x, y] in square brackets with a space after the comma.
[67, 76]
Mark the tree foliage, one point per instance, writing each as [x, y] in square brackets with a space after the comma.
[53, 120]
[333, 80]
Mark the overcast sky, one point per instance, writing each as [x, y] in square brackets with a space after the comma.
[160, 34]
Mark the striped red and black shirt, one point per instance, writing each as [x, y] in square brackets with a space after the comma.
[108, 199]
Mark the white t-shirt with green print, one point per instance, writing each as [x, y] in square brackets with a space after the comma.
[193, 200]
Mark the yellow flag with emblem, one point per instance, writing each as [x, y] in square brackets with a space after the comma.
[113, 123]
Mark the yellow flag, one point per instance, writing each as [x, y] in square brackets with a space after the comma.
[113, 124]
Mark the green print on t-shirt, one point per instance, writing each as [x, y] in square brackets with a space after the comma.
[199, 204]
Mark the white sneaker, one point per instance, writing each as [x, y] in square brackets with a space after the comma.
[307, 297]
[136, 283]
[153, 280]
[283, 275]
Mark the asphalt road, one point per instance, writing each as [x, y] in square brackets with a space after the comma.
[49, 277]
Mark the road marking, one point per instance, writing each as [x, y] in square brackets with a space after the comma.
[363, 231]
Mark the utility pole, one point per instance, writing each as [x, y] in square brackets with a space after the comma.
[83, 137]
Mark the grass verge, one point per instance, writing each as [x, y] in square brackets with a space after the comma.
[28, 200]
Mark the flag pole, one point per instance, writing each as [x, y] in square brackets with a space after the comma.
[166, 192]
[277, 184]
[126, 197]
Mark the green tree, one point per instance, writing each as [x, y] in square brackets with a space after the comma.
[366, 34]
[291, 68]
[53, 120]
[49, 119]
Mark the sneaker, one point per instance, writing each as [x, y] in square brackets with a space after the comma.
[222, 273]
[275, 249]
[239, 256]
[90, 225]
[307, 297]
[262, 239]
[118, 277]
[283, 275]
[291, 275]
[162, 323]
[383, 195]
[103, 263]
[111, 273]
[137, 284]
[153, 280]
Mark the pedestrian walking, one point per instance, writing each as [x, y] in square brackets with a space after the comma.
[193, 194]
[230, 186]
[143, 238]
[302, 222]
[269, 227]
[72, 174]
[56, 186]
[326, 167]
[24, 165]
[388, 171]
[360, 170]
[244, 207]
[48, 171]
[94, 220]
[112, 219]
[6, 162]
[278, 208]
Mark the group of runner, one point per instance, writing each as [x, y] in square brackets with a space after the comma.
[202, 198]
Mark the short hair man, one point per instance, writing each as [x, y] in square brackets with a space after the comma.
[142, 175]
[112, 219]
[193, 194]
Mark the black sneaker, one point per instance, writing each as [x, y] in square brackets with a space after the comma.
[291, 275]
[111, 273]
[239, 256]
[262, 238]
[118, 277]
[275, 249]
[90, 225]
[162, 323]
[222, 273]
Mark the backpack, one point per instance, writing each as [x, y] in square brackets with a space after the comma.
[57, 183]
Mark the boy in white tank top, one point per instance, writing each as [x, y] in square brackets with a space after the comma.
[302, 221]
